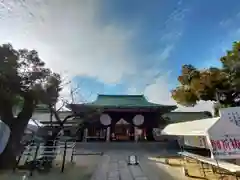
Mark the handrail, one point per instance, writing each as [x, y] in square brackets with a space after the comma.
[219, 163]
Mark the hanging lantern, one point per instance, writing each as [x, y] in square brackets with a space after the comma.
[138, 120]
[105, 119]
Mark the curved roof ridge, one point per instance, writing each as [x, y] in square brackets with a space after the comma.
[122, 95]
[126, 101]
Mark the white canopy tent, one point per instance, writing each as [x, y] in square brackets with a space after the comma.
[5, 131]
[33, 126]
[190, 128]
[222, 134]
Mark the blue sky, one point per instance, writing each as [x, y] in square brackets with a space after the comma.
[122, 46]
[191, 32]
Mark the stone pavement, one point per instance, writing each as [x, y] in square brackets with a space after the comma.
[117, 169]
[114, 167]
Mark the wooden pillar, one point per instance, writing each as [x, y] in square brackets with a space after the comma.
[135, 134]
[149, 134]
[108, 134]
[85, 135]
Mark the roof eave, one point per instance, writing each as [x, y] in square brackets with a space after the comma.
[85, 107]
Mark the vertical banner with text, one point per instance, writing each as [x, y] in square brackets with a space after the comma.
[226, 139]
[226, 147]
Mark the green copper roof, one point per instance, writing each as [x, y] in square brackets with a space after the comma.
[125, 101]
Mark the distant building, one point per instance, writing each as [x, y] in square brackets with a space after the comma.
[122, 117]
[42, 114]
[174, 117]
[117, 118]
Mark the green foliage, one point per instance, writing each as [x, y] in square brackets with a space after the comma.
[24, 78]
[205, 84]
[24, 82]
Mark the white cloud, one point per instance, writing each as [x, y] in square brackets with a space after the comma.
[65, 96]
[226, 22]
[72, 40]
[70, 37]
[200, 106]
[166, 52]
[159, 92]
[132, 91]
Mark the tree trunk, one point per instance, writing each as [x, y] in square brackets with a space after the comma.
[13, 148]
[17, 126]
[51, 118]
[8, 157]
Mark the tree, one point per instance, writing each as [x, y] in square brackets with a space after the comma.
[214, 84]
[25, 82]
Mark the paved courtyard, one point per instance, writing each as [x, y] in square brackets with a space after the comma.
[113, 164]
[114, 167]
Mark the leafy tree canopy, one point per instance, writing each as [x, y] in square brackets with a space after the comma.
[25, 81]
[213, 84]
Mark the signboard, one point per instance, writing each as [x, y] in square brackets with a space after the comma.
[226, 147]
[195, 141]
[4, 136]
[231, 114]
[225, 135]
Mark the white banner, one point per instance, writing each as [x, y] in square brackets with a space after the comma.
[4, 136]
[105, 119]
[195, 141]
[138, 120]
[231, 114]
[225, 134]
[138, 131]
[226, 147]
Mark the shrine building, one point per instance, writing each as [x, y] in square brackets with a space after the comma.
[121, 118]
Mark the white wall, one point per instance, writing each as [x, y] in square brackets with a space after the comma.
[45, 116]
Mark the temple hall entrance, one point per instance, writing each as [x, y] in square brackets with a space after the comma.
[122, 131]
